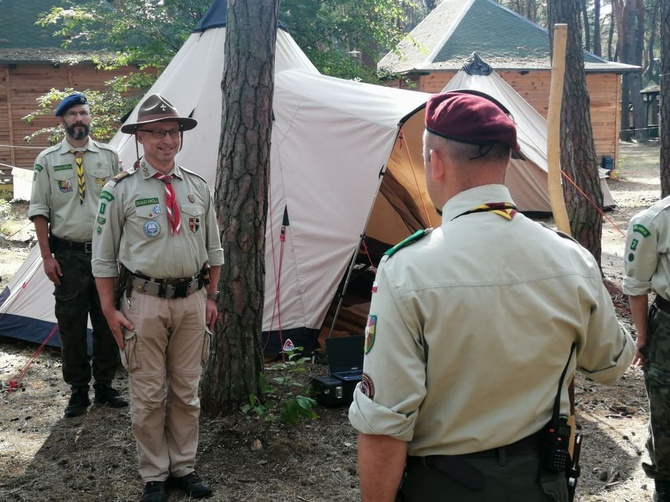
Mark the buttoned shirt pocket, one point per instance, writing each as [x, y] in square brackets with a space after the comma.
[149, 219]
[100, 177]
[65, 181]
[193, 216]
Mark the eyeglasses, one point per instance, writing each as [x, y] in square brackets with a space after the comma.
[161, 134]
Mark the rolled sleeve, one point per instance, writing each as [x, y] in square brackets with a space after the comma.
[214, 249]
[369, 417]
[41, 190]
[609, 348]
[394, 365]
[107, 235]
[640, 257]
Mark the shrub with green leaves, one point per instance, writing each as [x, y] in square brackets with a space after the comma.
[282, 395]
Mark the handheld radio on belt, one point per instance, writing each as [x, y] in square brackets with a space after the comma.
[556, 441]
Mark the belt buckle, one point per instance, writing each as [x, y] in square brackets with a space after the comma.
[181, 290]
[88, 247]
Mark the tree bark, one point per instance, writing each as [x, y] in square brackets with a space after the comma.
[597, 45]
[665, 98]
[578, 153]
[241, 198]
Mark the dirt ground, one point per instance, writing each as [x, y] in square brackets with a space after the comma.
[44, 457]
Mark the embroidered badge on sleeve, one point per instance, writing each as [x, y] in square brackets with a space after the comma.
[370, 331]
[367, 386]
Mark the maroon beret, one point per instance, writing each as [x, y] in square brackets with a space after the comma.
[469, 118]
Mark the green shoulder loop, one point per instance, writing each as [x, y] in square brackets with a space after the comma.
[409, 240]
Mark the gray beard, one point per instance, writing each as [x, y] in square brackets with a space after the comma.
[78, 133]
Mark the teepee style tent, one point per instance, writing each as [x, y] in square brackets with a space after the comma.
[528, 177]
[332, 142]
[194, 78]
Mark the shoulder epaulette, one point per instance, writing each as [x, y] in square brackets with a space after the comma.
[122, 175]
[193, 173]
[419, 234]
[105, 146]
[559, 232]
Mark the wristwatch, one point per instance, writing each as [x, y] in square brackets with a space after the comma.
[214, 296]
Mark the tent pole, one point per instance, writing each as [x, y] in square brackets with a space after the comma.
[345, 285]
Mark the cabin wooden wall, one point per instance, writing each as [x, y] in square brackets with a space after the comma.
[604, 92]
[20, 86]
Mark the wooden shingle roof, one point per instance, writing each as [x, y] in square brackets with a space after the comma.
[456, 28]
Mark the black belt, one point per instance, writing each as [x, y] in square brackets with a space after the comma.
[58, 244]
[457, 467]
[526, 446]
[662, 304]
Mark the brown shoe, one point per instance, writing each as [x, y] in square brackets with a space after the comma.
[192, 485]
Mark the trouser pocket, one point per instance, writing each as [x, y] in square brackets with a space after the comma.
[128, 354]
[206, 343]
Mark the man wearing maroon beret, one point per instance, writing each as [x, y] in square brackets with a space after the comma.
[475, 330]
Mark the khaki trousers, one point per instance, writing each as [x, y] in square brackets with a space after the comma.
[164, 356]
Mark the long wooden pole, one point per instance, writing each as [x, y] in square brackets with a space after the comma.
[556, 198]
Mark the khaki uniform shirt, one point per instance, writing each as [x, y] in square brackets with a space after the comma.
[55, 188]
[647, 255]
[132, 226]
[471, 326]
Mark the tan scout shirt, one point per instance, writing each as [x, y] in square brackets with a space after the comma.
[471, 326]
[132, 226]
[647, 254]
[55, 188]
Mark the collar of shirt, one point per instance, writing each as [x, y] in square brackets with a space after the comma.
[90, 146]
[148, 171]
[468, 199]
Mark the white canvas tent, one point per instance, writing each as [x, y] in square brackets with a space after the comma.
[530, 175]
[346, 161]
[332, 140]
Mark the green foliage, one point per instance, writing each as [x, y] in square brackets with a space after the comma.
[146, 32]
[107, 107]
[281, 398]
[346, 38]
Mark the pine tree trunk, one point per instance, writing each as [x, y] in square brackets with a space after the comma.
[241, 198]
[665, 98]
[578, 153]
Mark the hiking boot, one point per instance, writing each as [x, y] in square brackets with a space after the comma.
[662, 491]
[154, 491]
[192, 485]
[78, 402]
[106, 395]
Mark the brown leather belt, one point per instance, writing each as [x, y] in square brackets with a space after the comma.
[58, 244]
[662, 304]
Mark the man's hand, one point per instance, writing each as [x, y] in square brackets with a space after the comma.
[640, 343]
[117, 322]
[211, 314]
[52, 269]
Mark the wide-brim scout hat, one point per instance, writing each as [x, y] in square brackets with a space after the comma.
[158, 109]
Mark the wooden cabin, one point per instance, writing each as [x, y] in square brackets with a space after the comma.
[516, 48]
[32, 62]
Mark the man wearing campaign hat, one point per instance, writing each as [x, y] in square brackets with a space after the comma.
[475, 330]
[67, 181]
[156, 258]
